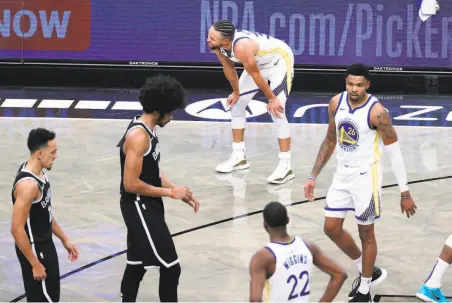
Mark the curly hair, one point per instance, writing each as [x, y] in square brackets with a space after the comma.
[162, 94]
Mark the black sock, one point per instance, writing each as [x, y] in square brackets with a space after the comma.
[169, 281]
[133, 274]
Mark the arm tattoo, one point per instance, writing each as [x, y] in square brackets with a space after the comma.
[384, 126]
[327, 147]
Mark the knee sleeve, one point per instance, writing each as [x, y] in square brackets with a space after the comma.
[131, 282]
[283, 127]
[449, 241]
[169, 281]
[238, 112]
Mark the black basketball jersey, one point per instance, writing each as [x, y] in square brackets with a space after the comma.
[150, 172]
[39, 222]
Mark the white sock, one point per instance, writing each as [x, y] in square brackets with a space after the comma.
[436, 276]
[238, 148]
[364, 286]
[284, 158]
[359, 264]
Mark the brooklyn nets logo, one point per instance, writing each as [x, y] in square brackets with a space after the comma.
[348, 135]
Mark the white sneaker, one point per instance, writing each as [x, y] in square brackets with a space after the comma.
[236, 161]
[283, 172]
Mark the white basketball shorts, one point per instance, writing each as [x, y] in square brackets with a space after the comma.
[358, 190]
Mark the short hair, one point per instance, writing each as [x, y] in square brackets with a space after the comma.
[38, 138]
[275, 215]
[358, 69]
[226, 28]
[162, 94]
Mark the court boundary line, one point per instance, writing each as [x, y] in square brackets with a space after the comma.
[17, 299]
[377, 298]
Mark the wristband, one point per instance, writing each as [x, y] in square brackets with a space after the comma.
[173, 193]
[312, 178]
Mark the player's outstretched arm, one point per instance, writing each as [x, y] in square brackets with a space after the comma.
[380, 118]
[258, 268]
[229, 71]
[25, 192]
[328, 266]
[135, 146]
[329, 143]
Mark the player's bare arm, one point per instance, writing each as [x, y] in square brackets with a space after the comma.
[229, 71]
[326, 149]
[245, 50]
[72, 250]
[380, 118]
[25, 193]
[328, 266]
[135, 146]
[259, 265]
[329, 143]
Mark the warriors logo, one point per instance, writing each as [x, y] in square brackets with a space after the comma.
[348, 135]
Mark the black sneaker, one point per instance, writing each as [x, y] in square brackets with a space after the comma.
[378, 276]
[359, 297]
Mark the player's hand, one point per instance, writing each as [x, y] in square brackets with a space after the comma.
[39, 272]
[275, 108]
[193, 202]
[232, 99]
[72, 250]
[407, 205]
[181, 192]
[309, 190]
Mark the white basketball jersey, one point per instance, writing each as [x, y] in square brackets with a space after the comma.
[359, 144]
[270, 48]
[292, 276]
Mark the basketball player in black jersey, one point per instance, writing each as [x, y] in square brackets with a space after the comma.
[150, 245]
[33, 223]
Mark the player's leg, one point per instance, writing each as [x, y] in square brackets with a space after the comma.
[134, 271]
[33, 288]
[237, 160]
[366, 194]
[281, 77]
[338, 203]
[49, 259]
[431, 291]
[159, 251]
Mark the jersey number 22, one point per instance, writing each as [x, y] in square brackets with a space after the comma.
[294, 279]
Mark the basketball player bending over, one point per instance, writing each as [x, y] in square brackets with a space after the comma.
[143, 185]
[431, 291]
[281, 271]
[362, 128]
[33, 222]
[269, 67]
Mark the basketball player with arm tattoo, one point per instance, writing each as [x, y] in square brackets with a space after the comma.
[33, 222]
[268, 67]
[362, 129]
[143, 186]
[281, 271]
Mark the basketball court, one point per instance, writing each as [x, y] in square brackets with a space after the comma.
[216, 244]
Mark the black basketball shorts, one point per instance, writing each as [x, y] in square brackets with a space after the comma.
[149, 242]
[47, 290]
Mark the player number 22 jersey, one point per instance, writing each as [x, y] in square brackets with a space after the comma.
[291, 279]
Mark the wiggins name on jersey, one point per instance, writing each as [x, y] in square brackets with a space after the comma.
[270, 49]
[291, 279]
[359, 143]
